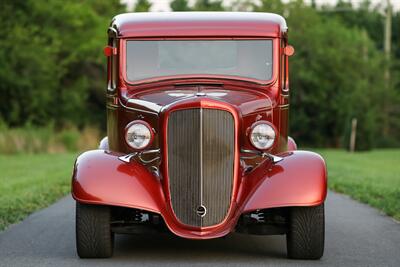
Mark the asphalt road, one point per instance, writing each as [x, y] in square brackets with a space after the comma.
[356, 235]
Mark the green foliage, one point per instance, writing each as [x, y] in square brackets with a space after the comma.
[337, 74]
[365, 17]
[51, 54]
[142, 6]
[371, 19]
[70, 139]
[53, 69]
[208, 5]
[199, 5]
[371, 177]
[334, 79]
[180, 5]
[24, 189]
[31, 182]
[275, 6]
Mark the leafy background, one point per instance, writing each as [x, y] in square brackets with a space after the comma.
[52, 69]
[52, 93]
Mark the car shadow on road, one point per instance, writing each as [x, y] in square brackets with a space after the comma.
[167, 247]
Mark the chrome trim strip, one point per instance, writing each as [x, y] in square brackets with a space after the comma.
[147, 161]
[283, 106]
[150, 105]
[112, 106]
[273, 158]
[201, 161]
[249, 151]
[135, 109]
[150, 151]
[127, 158]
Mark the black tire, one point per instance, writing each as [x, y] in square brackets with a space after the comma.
[94, 238]
[306, 233]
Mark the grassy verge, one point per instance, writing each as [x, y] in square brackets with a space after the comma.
[36, 140]
[370, 177]
[31, 182]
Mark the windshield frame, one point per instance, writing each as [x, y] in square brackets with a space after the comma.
[275, 67]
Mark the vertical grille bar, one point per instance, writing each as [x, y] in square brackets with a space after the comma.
[200, 164]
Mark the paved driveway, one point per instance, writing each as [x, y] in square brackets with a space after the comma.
[356, 235]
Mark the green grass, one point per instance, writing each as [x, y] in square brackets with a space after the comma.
[370, 177]
[31, 182]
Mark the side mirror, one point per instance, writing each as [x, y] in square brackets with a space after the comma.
[288, 50]
[109, 51]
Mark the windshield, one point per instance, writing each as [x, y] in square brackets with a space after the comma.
[235, 58]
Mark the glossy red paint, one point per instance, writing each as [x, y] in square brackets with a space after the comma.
[101, 178]
[195, 24]
[254, 98]
[298, 180]
[204, 103]
[245, 100]
[291, 144]
[108, 51]
[253, 105]
[176, 79]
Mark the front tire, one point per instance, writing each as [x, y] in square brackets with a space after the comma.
[94, 238]
[306, 233]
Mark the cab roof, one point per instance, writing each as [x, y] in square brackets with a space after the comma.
[192, 24]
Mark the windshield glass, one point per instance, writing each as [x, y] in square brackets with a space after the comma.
[235, 58]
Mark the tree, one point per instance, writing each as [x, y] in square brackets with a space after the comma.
[179, 5]
[372, 18]
[53, 68]
[276, 6]
[208, 5]
[142, 6]
[333, 77]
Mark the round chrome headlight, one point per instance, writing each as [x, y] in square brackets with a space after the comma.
[262, 135]
[138, 134]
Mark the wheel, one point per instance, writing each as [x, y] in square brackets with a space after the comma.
[306, 233]
[94, 238]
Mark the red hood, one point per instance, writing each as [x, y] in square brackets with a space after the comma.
[246, 101]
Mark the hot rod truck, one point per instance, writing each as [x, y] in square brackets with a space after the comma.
[197, 136]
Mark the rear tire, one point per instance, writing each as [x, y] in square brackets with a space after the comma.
[94, 238]
[306, 234]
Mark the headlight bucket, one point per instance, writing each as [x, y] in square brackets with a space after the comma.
[138, 134]
[262, 135]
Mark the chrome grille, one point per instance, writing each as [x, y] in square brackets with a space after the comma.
[200, 164]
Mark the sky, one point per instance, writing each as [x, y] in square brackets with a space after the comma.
[163, 5]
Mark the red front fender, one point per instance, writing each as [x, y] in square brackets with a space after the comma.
[300, 179]
[291, 144]
[101, 178]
